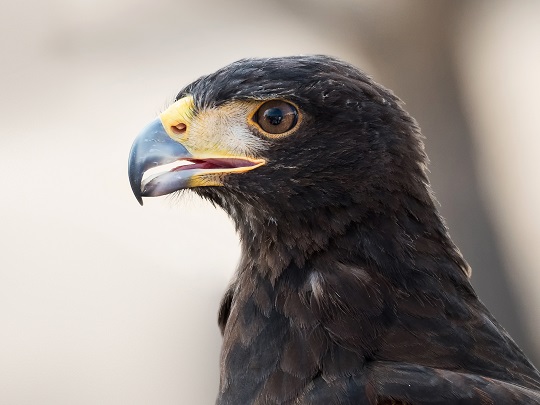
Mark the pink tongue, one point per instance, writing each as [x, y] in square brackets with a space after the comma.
[229, 163]
[213, 164]
[207, 165]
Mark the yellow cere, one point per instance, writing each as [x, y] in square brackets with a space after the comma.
[176, 115]
[214, 132]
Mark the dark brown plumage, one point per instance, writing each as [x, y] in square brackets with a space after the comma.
[349, 290]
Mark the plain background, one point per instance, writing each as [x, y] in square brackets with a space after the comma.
[105, 302]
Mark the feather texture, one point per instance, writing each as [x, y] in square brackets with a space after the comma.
[350, 290]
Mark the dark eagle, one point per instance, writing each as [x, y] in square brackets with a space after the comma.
[349, 289]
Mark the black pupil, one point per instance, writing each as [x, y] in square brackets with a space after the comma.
[274, 116]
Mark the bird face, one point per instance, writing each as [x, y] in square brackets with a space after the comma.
[188, 147]
[298, 131]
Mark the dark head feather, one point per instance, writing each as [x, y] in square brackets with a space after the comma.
[347, 266]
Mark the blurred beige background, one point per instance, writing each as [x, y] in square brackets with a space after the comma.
[104, 302]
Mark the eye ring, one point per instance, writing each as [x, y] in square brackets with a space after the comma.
[276, 118]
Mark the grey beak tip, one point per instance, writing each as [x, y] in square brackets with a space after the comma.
[152, 147]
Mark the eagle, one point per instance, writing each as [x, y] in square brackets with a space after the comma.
[349, 289]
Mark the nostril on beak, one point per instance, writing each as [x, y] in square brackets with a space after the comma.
[179, 129]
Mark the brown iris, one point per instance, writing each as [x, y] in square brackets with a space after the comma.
[276, 117]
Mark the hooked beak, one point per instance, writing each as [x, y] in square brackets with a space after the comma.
[160, 162]
[152, 148]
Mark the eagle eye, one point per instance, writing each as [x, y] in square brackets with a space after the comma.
[276, 117]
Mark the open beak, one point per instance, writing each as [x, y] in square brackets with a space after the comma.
[159, 164]
[154, 148]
